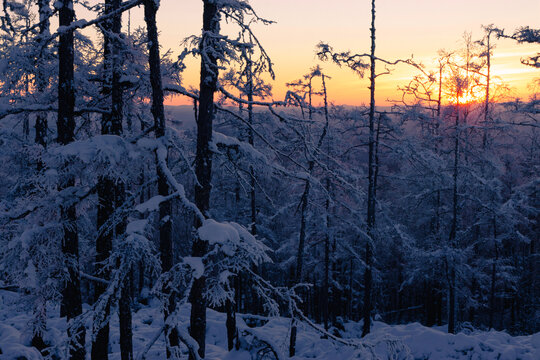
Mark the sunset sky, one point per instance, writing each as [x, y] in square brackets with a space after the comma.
[404, 27]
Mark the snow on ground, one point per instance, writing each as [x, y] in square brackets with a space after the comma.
[411, 341]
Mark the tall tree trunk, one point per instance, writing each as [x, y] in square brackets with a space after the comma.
[299, 258]
[493, 276]
[371, 185]
[109, 189]
[231, 324]
[105, 190]
[126, 293]
[453, 232]
[439, 98]
[41, 77]
[231, 316]
[203, 161]
[71, 294]
[40, 308]
[165, 226]
[303, 212]
[488, 80]
[251, 142]
[125, 320]
[326, 285]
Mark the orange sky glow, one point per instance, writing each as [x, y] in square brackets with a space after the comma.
[404, 28]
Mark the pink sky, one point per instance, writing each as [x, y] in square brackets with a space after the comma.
[404, 27]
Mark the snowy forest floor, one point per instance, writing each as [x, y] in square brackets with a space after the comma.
[411, 341]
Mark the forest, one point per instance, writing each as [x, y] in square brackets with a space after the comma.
[245, 226]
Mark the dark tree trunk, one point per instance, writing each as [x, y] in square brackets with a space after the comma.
[40, 309]
[140, 265]
[453, 232]
[371, 185]
[300, 258]
[452, 303]
[326, 286]
[165, 226]
[105, 190]
[349, 307]
[251, 141]
[109, 190]
[71, 294]
[302, 239]
[126, 296]
[493, 276]
[488, 80]
[41, 77]
[439, 304]
[231, 316]
[292, 340]
[203, 162]
[126, 332]
[66, 91]
[231, 325]
[303, 213]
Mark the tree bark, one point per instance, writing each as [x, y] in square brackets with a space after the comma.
[303, 210]
[203, 161]
[126, 293]
[371, 185]
[326, 285]
[41, 77]
[493, 276]
[453, 231]
[231, 325]
[40, 309]
[126, 331]
[109, 190]
[165, 226]
[488, 80]
[251, 141]
[105, 190]
[71, 294]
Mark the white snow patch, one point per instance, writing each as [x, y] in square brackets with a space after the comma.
[136, 226]
[218, 233]
[420, 342]
[196, 264]
[151, 204]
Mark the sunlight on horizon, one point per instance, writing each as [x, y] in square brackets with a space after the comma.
[403, 29]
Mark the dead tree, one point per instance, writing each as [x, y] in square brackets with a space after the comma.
[368, 276]
[356, 63]
[486, 43]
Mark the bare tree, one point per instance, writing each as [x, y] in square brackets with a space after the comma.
[356, 63]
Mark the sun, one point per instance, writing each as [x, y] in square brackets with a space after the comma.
[467, 98]
[464, 90]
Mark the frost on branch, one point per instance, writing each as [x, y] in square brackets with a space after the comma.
[235, 249]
